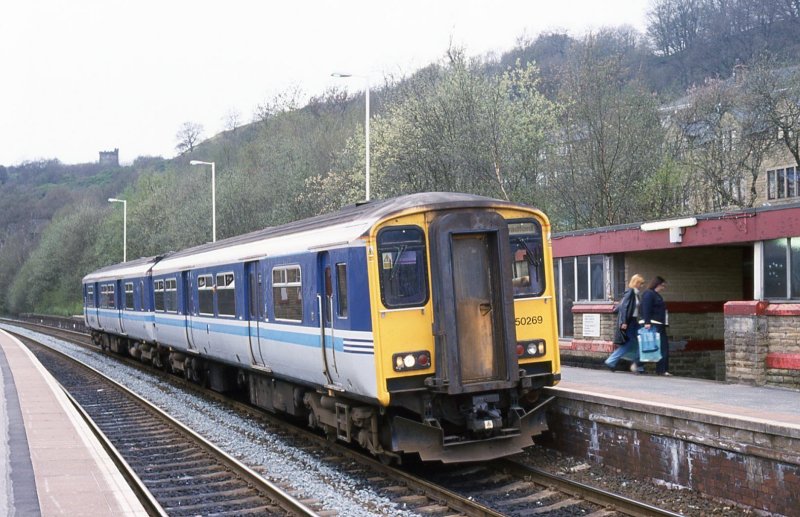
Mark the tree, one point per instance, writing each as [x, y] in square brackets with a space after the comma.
[188, 137]
[609, 143]
[726, 145]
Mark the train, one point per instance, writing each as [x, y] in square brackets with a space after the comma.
[420, 326]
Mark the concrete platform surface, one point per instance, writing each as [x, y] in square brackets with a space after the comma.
[50, 461]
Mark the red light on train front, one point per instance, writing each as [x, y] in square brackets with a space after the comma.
[520, 349]
[411, 361]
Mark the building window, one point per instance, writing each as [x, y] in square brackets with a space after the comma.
[226, 294]
[129, 296]
[579, 279]
[341, 290]
[287, 293]
[205, 294]
[783, 183]
[403, 267]
[782, 269]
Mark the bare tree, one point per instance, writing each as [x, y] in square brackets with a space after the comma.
[188, 137]
[232, 119]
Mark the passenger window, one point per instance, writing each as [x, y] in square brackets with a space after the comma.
[287, 293]
[527, 252]
[403, 267]
[112, 302]
[171, 295]
[129, 296]
[226, 294]
[90, 296]
[158, 291]
[341, 290]
[205, 294]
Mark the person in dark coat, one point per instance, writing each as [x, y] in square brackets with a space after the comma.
[654, 315]
[627, 329]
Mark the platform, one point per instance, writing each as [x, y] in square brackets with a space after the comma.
[50, 461]
[730, 441]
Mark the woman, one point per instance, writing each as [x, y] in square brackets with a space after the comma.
[654, 314]
[628, 326]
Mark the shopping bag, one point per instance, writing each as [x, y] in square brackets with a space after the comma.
[649, 345]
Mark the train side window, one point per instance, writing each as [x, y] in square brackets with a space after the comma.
[226, 294]
[129, 296]
[403, 267]
[89, 296]
[141, 295]
[341, 290]
[112, 302]
[287, 293]
[205, 294]
[527, 252]
[103, 301]
[171, 295]
[158, 292]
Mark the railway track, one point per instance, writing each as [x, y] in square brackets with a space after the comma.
[492, 489]
[183, 473]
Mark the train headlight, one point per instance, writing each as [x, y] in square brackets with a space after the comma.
[411, 361]
[535, 348]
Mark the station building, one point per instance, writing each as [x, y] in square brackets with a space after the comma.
[733, 287]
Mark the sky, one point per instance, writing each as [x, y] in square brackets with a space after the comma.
[85, 76]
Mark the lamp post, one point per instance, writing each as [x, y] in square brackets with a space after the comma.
[366, 121]
[124, 226]
[213, 197]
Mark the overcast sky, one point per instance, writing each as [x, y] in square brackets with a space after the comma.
[81, 76]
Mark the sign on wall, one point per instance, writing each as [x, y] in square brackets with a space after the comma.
[591, 325]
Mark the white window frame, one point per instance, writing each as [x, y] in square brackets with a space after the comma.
[285, 283]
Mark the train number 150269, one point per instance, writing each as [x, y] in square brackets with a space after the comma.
[529, 320]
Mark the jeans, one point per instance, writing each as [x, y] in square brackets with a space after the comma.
[628, 350]
[663, 365]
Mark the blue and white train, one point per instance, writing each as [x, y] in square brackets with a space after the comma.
[421, 324]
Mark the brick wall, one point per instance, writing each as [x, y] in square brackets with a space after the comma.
[762, 343]
[692, 274]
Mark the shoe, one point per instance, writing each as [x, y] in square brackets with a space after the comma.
[612, 368]
[665, 374]
[634, 368]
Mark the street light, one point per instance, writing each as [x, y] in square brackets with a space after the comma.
[213, 197]
[124, 226]
[366, 120]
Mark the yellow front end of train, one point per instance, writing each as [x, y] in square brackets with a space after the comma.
[464, 325]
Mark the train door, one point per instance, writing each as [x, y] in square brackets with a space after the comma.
[120, 301]
[325, 297]
[188, 307]
[191, 312]
[256, 311]
[473, 301]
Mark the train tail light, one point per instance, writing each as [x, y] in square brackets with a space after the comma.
[405, 361]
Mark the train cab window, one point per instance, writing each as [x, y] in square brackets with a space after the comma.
[528, 258]
[158, 292]
[287, 293]
[341, 290]
[205, 294]
[226, 294]
[129, 296]
[171, 295]
[90, 296]
[403, 267]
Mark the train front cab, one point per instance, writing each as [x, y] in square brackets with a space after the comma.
[466, 330]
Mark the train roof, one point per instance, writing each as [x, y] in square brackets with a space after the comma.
[131, 269]
[340, 228]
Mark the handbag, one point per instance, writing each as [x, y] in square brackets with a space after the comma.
[649, 345]
[620, 337]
